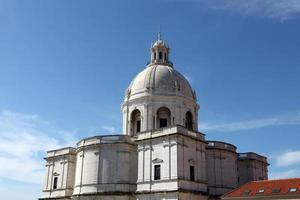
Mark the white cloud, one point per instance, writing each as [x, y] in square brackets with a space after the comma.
[288, 158]
[24, 139]
[291, 173]
[285, 165]
[110, 129]
[273, 9]
[291, 119]
[276, 9]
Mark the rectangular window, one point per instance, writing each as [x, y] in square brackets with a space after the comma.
[192, 173]
[138, 126]
[156, 172]
[55, 183]
[162, 123]
[260, 191]
[247, 192]
[293, 190]
[276, 190]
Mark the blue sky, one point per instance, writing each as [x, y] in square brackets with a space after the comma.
[64, 67]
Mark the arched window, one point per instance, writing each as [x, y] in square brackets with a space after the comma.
[160, 55]
[135, 122]
[154, 55]
[189, 120]
[163, 117]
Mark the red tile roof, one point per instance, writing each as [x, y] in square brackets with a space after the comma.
[266, 188]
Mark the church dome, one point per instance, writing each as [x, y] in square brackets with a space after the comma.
[159, 96]
[160, 79]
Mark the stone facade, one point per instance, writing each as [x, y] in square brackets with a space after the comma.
[161, 154]
[106, 164]
[251, 167]
[221, 165]
[60, 173]
[175, 150]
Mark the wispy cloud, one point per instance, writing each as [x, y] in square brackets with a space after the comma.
[288, 158]
[24, 139]
[273, 9]
[290, 173]
[289, 119]
[110, 129]
[285, 165]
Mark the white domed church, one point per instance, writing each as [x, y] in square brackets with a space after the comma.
[161, 155]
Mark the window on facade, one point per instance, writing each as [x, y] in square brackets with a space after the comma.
[165, 56]
[160, 55]
[162, 123]
[154, 56]
[156, 172]
[192, 173]
[138, 126]
[276, 190]
[247, 192]
[260, 191]
[163, 117]
[55, 183]
[293, 190]
[135, 122]
[189, 120]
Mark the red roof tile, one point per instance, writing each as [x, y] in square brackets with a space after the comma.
[267, 188]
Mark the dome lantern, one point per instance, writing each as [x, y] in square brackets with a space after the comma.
[160, 52]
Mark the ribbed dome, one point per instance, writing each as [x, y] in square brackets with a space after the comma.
[160, 80]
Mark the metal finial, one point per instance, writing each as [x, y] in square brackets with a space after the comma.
[159, 35]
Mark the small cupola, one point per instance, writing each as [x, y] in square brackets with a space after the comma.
[160, 52]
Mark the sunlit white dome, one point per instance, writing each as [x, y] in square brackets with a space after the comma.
[160, 79]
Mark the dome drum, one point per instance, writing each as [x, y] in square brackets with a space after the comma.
[154, 113]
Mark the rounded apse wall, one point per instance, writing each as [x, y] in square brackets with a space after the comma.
[221, 167]
[106, 164]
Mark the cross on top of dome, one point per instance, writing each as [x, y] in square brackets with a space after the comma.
[159, 41]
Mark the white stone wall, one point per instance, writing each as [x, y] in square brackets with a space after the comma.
[172, 196]
[221, 167]
[191, 152]
[104, 197]
[174, 152]
[106, 164]
[60, 164]
[252, 167]
[160, 151]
